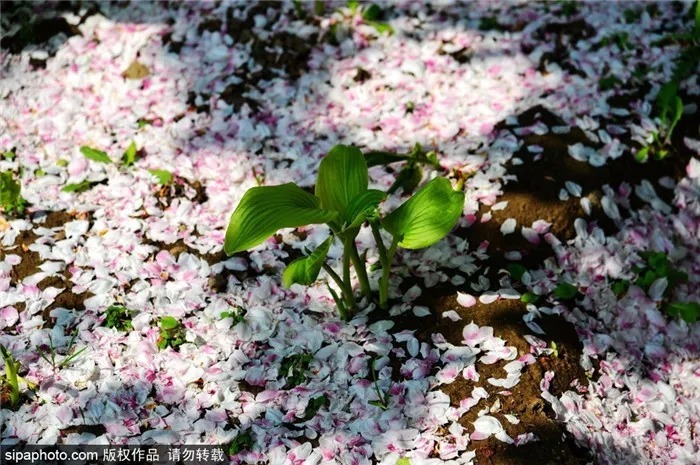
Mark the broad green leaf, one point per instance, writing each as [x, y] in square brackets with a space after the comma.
[690, 311]
[95, 155]
[342, 176]
[265, 210]
[9, 189]
[163, 176]
[168, 322]
[129, 157]
[565, 291]
[426, 217]
[362, 205]
[403, 461]
[78, 187]
[305, 270]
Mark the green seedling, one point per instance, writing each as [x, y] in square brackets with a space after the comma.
[9, 155]
[690, 311]
[314, 406]
[118, 317]
[529, 298]
[294, 368]
[95, 155]
[516, 271]
[343, 201]
[11, 201]
[164, 177]
[172, 334]
[244, 441]
[565, 291]
[555, 350]
[237, 314]
[51, 356]
[372, 14]
[79, 186]
[383, 398]
[129, 157]
[12, 378]
[658, 266]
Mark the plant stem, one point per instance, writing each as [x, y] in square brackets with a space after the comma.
[386, 269]
[346, 292]
[360, 269]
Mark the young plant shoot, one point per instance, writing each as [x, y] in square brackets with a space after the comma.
[344, 202]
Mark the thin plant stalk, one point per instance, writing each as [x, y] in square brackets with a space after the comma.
[360, 269]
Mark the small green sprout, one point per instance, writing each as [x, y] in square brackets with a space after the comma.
[79, 186]
[555, 350]
[529, 298]
[343, 201]
[118, 317]
[11, 377]
[11, 200]
[95, 155]
[68, 358]
[237, 314]
[129, 157]
[294, 368]
[164, 177]
[565, 291]
[172, 334]
[314, 406]
[383, 398]
[244, 441]
[516, 271]
[9, 155]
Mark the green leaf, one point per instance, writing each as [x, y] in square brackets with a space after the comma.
[342, 176]
[408, 179]
[381, 27]
[690, 311]
[372, 13]
[164, 177]
[642, 154]
[169, 323]
[265, 210]
[129, 157]
[95, 155]
[11, 201]
[426, 217]
[565, 291]
[376, 158]
[516, 271]
[677, 114]
[620, 287]
[665, 99]
[403, 461]
[362, 205]
[529, 298]
[78, 187]
[9, 155]
[697, 17]
[305, 270]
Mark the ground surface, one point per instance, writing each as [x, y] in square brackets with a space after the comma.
[539, 108]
